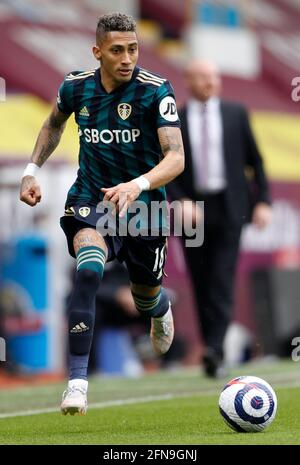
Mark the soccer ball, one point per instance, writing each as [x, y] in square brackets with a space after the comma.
[248, 403]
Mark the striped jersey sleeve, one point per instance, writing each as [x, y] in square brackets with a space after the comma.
[165, 106]
[65, 97]
[66, 92]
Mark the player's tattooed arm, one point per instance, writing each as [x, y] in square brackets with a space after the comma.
[172, 164]
[170, 140]
[46, 143]
[49, 136]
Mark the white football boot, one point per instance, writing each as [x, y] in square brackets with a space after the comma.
[74, 398]
[162, 332]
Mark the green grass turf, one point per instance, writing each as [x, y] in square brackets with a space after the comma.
[191, 417]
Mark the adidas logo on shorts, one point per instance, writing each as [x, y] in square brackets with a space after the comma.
[80, 328]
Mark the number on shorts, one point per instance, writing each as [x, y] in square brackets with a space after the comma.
[159, 258]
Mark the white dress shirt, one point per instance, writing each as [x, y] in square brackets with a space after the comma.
[216, 176]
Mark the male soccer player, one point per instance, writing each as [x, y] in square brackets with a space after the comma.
[130, 148]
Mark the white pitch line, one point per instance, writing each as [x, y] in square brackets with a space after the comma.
[139, 400]
[99, 405]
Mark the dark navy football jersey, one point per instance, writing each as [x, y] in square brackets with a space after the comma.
[117, 130]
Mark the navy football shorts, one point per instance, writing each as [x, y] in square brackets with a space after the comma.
[144, 256]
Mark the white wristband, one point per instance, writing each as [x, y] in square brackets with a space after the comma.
[142, 182]
[31, 170]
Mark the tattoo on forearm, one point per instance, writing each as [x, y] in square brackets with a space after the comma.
[46, 144]
[48, 138]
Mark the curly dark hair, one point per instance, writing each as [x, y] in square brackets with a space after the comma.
[115, 22]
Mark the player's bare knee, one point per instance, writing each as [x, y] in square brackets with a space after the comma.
[88, 237]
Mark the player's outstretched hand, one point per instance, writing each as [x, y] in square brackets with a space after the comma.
[30, 191]
[122, 195]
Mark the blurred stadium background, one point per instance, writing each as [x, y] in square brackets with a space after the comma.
[256, 44]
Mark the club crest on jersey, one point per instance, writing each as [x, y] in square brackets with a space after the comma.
[84, 211]
[124, 110]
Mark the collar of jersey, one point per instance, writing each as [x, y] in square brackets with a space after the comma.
[101, 89]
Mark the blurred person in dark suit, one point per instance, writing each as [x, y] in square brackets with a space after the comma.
[221, 153]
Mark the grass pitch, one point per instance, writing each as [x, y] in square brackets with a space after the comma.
[179, 407]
